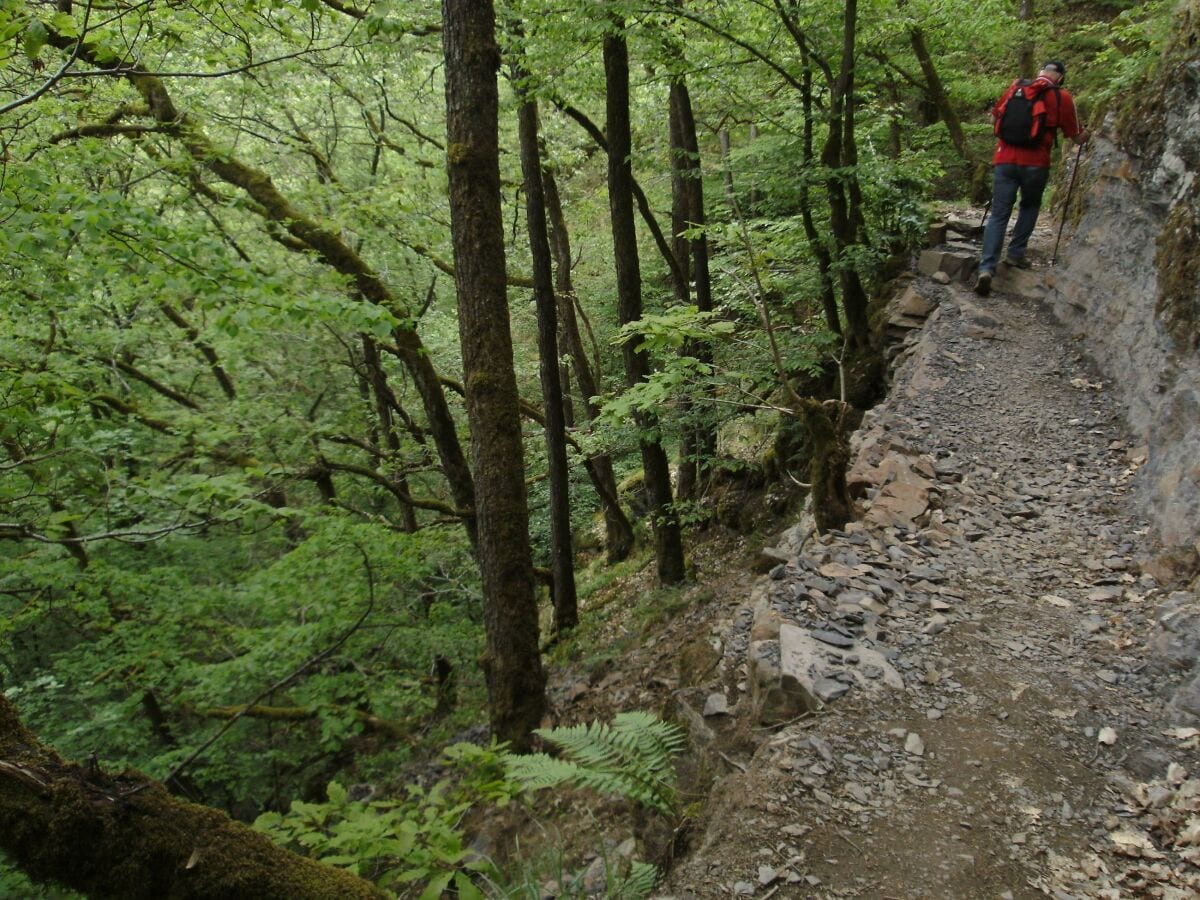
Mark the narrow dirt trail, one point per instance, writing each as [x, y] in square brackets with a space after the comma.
[1014, 614]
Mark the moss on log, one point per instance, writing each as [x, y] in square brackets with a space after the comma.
[123, 836]
[829, 456]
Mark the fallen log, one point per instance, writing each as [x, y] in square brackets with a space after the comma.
[123, 836]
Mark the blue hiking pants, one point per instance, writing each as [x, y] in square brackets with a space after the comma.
[1007, 180]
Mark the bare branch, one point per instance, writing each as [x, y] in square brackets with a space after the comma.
[18, 531]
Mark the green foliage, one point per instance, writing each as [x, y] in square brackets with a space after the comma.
[13, 883]
[193, 463]
[418, 843]
[415, 842]
[630, 758]
[208, 630]
[1134, 45]
[633, 882]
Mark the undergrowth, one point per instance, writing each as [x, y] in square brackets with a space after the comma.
[417, 845]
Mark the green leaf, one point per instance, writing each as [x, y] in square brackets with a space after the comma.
[466, 887]
[64, 24]
[35, 39]
[434, 889]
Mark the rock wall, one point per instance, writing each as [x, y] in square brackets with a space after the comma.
[1128, 276]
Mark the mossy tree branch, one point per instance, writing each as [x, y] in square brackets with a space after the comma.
[123, 836]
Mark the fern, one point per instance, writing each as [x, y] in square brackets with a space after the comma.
[640, 883]
[630, 758]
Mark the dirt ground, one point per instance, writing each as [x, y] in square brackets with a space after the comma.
[1030, 751]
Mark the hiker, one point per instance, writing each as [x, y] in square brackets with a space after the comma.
[1026, 128]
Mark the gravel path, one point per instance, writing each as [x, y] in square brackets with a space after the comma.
[1028, 752]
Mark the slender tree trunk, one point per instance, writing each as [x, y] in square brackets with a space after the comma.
[656, 471]
[512, 667]
[937, 93]
[566, 614]
[124, 837]
[639, 195]
[699, 444]
[617, 528]
[815, 242]
[688, 467]
[1026, 64]
[841, 211]
[381, 395]
[727, 167]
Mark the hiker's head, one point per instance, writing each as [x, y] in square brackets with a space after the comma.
[1055, 71]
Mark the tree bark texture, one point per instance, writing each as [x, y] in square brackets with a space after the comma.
[512, 667]
[618, 531]
[562, 567]
[655, 468]
[123, 836]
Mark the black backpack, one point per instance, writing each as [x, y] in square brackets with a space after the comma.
[1021, 119]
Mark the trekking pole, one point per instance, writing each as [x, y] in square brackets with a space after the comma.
[1066, 204]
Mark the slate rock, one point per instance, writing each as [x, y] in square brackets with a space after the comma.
[717, 704]
[828, 689]
[833, 638]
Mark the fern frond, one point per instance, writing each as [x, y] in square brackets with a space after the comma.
[538, 770]
[640, 883]
[630, 758]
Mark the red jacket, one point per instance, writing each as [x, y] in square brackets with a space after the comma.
[1060, 114]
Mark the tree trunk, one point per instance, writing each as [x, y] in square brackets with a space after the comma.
[842, 211]
[937, 93]
[726, 145]
[699, 444]
[828, 458]
[655, 469]
[566, 613]
[381, 395]
[512, 667]
[123, 836]
[617, 529]
[815, 242]
[1026, 64]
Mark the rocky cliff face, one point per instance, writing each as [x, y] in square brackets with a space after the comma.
[1128, 277]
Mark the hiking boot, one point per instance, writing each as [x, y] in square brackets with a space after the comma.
[1018, 262]
[983, 284]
